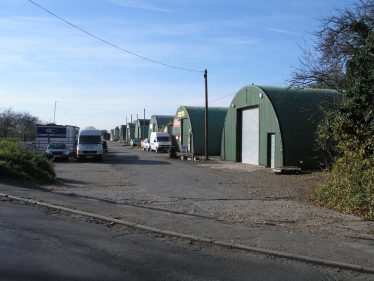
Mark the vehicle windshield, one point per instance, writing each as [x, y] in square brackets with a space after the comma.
[57, 146]
[163, 139]
[89, 139]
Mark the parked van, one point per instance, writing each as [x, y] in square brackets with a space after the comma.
[90, 145]
[160, 141]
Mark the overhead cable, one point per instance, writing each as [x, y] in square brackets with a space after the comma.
[111, 44]
[222, 97]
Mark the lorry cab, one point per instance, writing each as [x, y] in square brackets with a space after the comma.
[90, 145]
[160, 141]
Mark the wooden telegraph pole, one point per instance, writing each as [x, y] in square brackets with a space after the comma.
[206, 114]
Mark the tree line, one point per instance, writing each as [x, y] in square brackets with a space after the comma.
[18, 125]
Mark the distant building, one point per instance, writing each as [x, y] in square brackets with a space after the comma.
[161, 123]
[189, 129]
[130, 132]
[141, 128]
[122, 133]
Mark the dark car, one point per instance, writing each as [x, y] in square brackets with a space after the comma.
[105, 146]
[56, 150]
[135, 142]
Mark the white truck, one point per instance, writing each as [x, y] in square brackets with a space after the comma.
[160, 141]
[56, 133]
[90, 145]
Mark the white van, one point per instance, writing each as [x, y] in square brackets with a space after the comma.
[160, 141]
[90, 145]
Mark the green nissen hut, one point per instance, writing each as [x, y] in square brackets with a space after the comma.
[158, 123]
[130, 132]
[141, 128]
[116, 133]
[122, 133]
[275, 127]
[189, 129]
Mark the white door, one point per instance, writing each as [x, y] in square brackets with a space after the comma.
[272, 151]
[250, 136]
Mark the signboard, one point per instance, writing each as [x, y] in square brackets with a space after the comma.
[180, 114]
[50, 132]
[177, 123]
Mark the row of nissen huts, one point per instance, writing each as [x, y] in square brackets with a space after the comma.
[268, 126]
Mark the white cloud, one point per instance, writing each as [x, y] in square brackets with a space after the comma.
[277, 30]
[141, 5]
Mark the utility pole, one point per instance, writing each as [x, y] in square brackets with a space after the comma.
[54, 114]
[137, 121]
[206, 114]
[143, 135]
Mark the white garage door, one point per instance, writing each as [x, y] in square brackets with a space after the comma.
[250, 136]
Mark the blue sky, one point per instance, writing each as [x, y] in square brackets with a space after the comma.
[43, 60]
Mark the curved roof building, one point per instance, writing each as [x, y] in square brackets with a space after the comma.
[274, 126]
[189, 129]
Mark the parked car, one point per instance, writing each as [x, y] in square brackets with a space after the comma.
[135, 142]
[105, 146]
[146, 145]
[57, 150]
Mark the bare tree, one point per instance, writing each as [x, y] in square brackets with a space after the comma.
[8, 121]
[339, 37]
[17, 124]
[27, 126]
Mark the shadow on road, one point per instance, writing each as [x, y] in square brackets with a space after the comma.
[134, 160]
[71, 182]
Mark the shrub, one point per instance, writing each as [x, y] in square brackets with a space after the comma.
[350, 186]
[22, 165]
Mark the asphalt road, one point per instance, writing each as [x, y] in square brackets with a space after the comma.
[37, 244]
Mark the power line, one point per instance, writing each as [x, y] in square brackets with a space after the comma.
[225, 96]
[111, 44]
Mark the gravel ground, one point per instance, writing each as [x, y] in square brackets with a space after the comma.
[269, 207]
[233, 193]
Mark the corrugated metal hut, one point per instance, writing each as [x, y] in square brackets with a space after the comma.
[274, 126]
[122, 133]
[130, 132]
[159, 123]
[189, 129]
[116, 134]
[141, 128]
